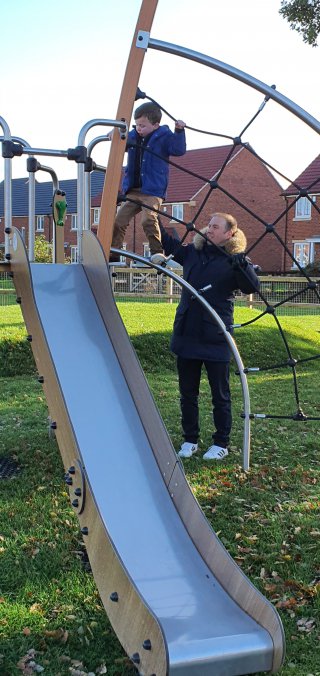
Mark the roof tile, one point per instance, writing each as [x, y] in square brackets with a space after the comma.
[309, 179]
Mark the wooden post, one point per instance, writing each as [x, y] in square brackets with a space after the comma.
[118, 145]
[169, 289]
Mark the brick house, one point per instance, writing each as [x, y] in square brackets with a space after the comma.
[244, 177]
[260, 200]
[43, 209]
[303, 216]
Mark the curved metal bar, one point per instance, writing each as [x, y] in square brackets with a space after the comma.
[95, 141]
[16, 139]
[230, 340]
[121, 124]
[53, 175]
[82, 188]
[238, 75]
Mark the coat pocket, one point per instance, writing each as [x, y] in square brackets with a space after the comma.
[211, 331]
[179, 324]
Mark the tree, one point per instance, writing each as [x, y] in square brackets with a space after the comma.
[303, 17]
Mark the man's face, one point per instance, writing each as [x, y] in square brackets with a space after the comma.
[144, 126]
[217, 231]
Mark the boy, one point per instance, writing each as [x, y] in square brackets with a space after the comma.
[146, 175]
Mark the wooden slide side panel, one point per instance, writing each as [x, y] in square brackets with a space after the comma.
[224, 568]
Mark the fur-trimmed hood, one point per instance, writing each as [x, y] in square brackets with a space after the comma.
[236, 244]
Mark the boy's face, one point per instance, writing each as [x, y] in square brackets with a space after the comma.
[144, 126]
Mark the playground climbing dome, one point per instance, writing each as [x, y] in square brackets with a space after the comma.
[265, 230]
[308, 290]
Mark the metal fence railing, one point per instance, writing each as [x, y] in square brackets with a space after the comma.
[7, 290]
[145, 285]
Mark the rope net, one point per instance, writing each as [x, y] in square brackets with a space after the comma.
[310, 289]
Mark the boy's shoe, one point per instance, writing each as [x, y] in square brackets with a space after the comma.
[187, 449]
[114, 258]
[215, 453]
[158, 258]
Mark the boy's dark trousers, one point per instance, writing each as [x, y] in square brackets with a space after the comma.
[189, 372]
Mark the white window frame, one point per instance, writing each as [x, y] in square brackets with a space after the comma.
[303, 253]
[303, 208]
[146, 250]
[96, 216]
[177, 211]
[123, 258]
[40, 223]
[74, 222]
[74, 253]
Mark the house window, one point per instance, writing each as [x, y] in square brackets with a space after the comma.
[301, 252]
[40, 224]
[74, 254]
[177, 211]
[303, 208]
[146, 251]
[124, 246]
[74, 222]
[96, 216]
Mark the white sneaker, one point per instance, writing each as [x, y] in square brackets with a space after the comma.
[187, 449]
[215, 453]
[158, 258]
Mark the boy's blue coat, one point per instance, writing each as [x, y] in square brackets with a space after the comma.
[154, 170]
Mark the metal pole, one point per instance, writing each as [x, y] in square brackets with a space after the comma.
[7, 188]
[87, 182]
[31, 215]
[230, 340]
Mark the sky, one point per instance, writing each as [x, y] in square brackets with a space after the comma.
[62, 64]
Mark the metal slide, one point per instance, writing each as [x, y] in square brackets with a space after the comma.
[192, 621]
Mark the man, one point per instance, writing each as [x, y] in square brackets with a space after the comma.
[216, 261]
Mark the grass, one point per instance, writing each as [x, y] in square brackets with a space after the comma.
[267, 518]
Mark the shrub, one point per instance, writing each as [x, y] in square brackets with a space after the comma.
[313, 269]
[16, 358]
[42, 250]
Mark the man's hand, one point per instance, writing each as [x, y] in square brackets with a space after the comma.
[239, 261]
[179, 124]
